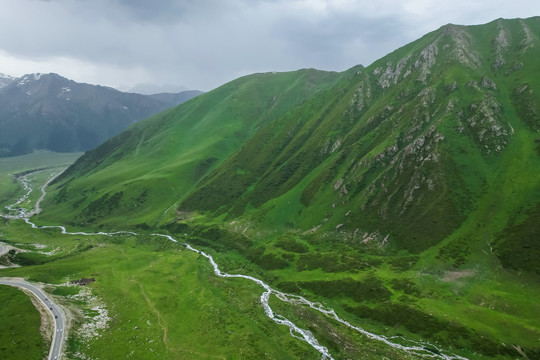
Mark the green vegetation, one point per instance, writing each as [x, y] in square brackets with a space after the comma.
[413, 150]
[162, 301]
[170, 152]
[403, 195]
[20, 337]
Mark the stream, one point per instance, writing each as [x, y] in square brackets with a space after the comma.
[421, 349]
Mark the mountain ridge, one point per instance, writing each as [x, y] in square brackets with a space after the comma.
[48, 111]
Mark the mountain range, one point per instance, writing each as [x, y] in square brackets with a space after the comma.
[48, 111]
[429, 158]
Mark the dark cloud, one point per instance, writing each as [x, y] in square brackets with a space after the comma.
[343, 40]
[202, 44]
[171, 11]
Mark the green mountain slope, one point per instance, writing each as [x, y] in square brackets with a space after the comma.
[412, 146]
[405, 194]
[152, 165]
[437, 138]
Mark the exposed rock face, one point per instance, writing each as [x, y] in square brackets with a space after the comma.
[83, 281]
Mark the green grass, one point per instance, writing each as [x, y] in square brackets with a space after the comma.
[164, 162]
[406, 203]
[397, 294]
[165, 302]
[342, 342]
[20, 337]
[134, 278]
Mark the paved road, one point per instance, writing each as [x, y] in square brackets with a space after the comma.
[56, 312]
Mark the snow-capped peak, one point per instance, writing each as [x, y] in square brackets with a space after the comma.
[25, 79]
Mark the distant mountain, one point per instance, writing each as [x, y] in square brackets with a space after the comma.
[176, 98]
[425, 162]
[150, 89]
[48, 111]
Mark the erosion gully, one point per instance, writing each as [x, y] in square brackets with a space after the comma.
[417, 348]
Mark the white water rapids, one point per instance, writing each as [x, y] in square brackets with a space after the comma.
[420, 349]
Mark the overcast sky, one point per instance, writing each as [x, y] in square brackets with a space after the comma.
[201, 44]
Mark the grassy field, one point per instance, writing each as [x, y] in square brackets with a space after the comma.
[165, 302]
[20, 337]
[151, 298]
[468, 310]
[161, 300]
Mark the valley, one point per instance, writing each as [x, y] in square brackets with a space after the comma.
[388, 211]
[416, 348]
[87, 255]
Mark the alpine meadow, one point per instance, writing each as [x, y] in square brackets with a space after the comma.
[402, 197]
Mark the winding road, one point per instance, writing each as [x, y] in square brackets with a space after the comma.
[417, 348]
[56, 312]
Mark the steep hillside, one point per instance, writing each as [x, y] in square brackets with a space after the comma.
[410, 148]
[47, 111]
[152, 165]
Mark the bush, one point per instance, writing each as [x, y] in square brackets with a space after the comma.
[292, 245]
[370, 289]
[272, 262]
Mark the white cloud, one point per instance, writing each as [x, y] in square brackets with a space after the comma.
[77, 70]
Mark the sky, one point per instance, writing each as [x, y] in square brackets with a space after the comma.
[201, 44]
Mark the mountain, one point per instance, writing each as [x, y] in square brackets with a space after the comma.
[5, 80]
[409, 148]
[424, 164]
[169, 153]
[406, 147]
[176, 98]
[150, 89]
[48, 111]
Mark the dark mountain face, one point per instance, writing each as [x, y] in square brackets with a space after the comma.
[47, 111]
